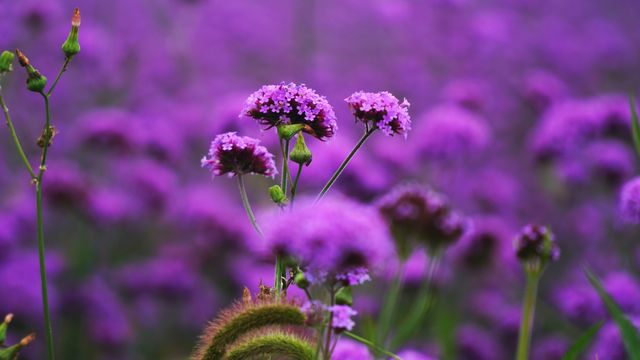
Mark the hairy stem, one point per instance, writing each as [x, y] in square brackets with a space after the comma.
[526, 322]
[247, 205]
[16, 140]
[344, 164]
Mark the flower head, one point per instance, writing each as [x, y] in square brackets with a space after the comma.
[383, 110]
[418, 213]
[342, 317]
[286, 104]
[334, 240]
[630, 201]
[535, 243]
[238, 155]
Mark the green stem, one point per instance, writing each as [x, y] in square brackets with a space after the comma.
[388, 309]
[247, 205]
[16, 140]
[327, 344]
[421, 306]
[46, 136]
[526, 322]
[371, 345]
[284, 145]
[277, 281]
[43, 273]
[64, 68]
[344, 164]
[294, 187]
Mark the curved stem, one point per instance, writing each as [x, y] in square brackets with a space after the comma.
[43, 273]
[247, 205]
[344, 164]
[16, 140]
[526, 322]
[64, 68]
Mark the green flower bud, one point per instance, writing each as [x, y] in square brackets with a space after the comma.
[344, 296]
[35, 81]
[301, 280]
[288, 131]
[4, 326]
[71, 46]
[6, 61]
[301, 153]
[277, 195]
[11, 353]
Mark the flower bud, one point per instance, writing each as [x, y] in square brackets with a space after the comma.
[301, 280]
[288, 131]
[301, 153]
[11, 353]
[35, 81]
[71, 46]
[4, 326]
[277, 195]
[344, 296]
[6, 61]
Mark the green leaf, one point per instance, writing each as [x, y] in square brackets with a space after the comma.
[371, 345]
[582, 343]
[635, 124]
[629, 333]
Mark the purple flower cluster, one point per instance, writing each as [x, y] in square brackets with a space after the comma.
[334, 239]
[284, 104]
[383, 110]
[630, 201]
[238, 155]
[342, 317]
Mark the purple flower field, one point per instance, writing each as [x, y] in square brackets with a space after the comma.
[305, 179]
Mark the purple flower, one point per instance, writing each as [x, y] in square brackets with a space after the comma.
[608, 344]
[417, 213]
[282, 104]
[383, 110]
[579, 303]
[536, 242]
[329, 238]
[630, 201]
[342, 317]
[450, 131]
[355, 277]
[350, 350]
[550, 348]
[487, 244]
[476, 344]
[414, 355]
[236, 155]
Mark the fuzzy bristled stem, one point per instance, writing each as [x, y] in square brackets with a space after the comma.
[14, 137]
[344, 164]
[43, 273]
[247, 205]
[62, 70]
[528, 312]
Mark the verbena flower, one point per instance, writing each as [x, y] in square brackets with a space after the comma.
[630, 201]
[382, 110]
[350, 350]
[238, 155]
[536, 242]
[334, 240]
[417, 213]
[285, 104]
[342, 317]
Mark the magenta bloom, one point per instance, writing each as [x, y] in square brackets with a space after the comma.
[382, 109]
[238, 155]
[630, 201]
[342, 317]
[283, 104]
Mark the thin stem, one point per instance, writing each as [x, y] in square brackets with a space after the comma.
[43, 273]
[62, 70]
[294, 187]
[16, 140]
[284, 145]
[277, 281]
[46, 137]
[344, 164]
[247, 205]
[528, 311]
[327, 344]
[421, 306]
[388, 309]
